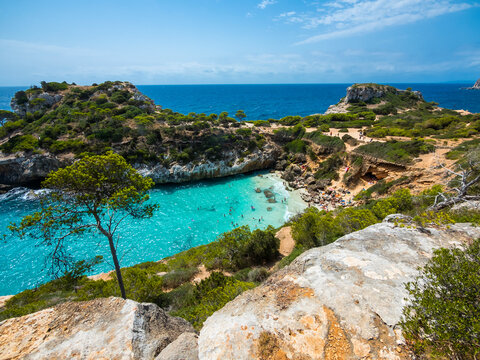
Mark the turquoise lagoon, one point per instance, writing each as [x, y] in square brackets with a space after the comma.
[189, 215]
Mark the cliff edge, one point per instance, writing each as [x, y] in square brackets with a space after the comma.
[105, 328]
[340, 301]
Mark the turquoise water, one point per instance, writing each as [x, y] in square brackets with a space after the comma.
[189, 215]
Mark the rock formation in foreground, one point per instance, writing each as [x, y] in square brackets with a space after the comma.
[109, 328]
[340, 301]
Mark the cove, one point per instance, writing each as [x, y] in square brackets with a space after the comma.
[189, 215]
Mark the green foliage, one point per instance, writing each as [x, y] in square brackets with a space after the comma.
[241, 248]
[21, 97]
[401, 152]
[209, 296]
[20, 143]
[284, 135]
[72, 277]
[86, 196]
[240, 115]
[54, 86]
[178, 277]
[401, 201]
[329, 144]
[287, 260]
[318, 228]
[296, 146]
[350, 219]
[328, 169]
[315, 228]
[380, 188]
[442, 318]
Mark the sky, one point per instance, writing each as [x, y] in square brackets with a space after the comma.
[239, 41]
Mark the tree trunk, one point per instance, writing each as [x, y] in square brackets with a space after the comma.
[117, 266]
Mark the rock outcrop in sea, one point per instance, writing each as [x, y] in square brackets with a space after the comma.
[476, 86]
[340, 301]
[365, 93]
[105, 328]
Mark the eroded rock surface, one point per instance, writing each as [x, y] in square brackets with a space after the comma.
[109, 328]
[341, 301]
[20, 169]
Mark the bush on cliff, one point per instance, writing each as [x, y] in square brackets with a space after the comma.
[209, 296]
[442, 318]
[401, 152]
[240, 248]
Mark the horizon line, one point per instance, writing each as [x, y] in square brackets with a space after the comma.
[460, 82]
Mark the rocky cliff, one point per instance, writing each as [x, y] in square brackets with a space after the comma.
[232, 165]
[110, 328]
[340, 301]
[366, 93]
[21, 169]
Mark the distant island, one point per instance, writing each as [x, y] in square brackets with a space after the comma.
[476, 86]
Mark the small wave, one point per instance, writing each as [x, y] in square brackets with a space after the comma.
[22, 193]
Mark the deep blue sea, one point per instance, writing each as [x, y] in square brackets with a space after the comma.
[276, 101]
[196, 213]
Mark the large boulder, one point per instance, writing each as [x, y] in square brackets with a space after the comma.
[340, 301]
[108, 328]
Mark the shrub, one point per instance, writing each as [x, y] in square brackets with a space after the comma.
[328, 169]
[258, 275]
[20, 143]
[241, 248]
[120, 96]
[21, 97]
[329, 144]
[350, 220]
[210, 295]
[396, 151]
[296, 146]
[54, 86]
[315, 228]
[178, 277]
[443, 317]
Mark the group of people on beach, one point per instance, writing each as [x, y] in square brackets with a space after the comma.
[331, 199]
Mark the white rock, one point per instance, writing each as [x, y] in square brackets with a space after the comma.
[342, 301]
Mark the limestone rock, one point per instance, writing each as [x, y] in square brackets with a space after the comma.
[107, 328]
[467, 205]
[230, 165]
[340, 301]
[45, 100]
[364, 93]
[19, 169]
[392, 218]
[185, 347]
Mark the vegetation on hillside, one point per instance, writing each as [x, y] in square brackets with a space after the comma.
[442, 318]
[115, 116]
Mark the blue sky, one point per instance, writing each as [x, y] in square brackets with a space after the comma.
[239, 41]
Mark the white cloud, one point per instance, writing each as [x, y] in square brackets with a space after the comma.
[341, 18]
[264, 3]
